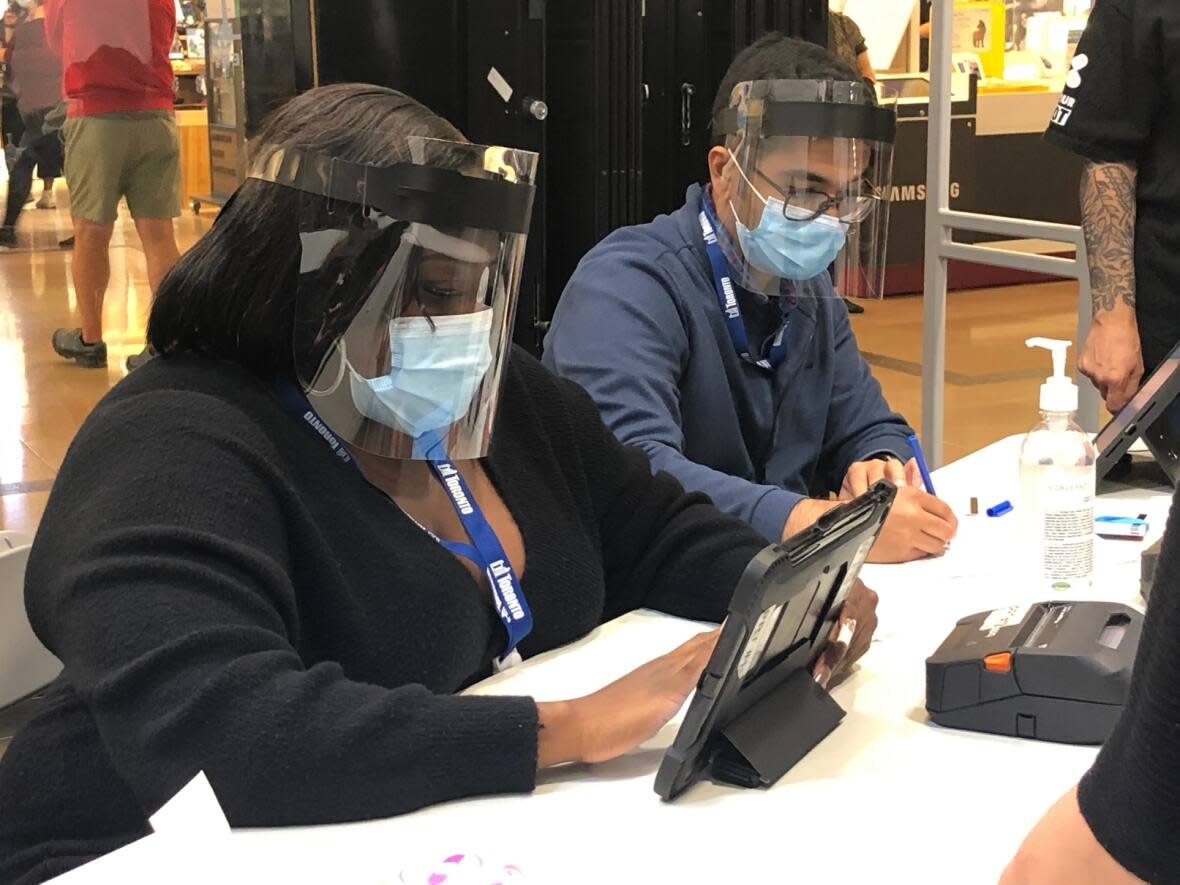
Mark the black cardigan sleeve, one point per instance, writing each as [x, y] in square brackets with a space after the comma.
[662, 547]
[1131, 797]
[161, 578]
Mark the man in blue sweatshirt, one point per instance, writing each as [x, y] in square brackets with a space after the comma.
[713, 339]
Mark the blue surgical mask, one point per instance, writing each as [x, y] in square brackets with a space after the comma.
[436, 366]
[793, 250]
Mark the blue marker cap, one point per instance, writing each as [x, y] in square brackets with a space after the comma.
[1000, 509]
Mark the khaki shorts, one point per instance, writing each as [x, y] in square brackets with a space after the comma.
[132, 155]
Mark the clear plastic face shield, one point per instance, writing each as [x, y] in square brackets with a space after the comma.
[407, 292]
[809, 183]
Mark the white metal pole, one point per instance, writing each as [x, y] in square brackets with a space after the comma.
[938, 169]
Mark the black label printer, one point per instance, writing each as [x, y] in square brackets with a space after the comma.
[1054, 671]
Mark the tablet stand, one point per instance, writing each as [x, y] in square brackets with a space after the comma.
[765, 741]
[1161, 441]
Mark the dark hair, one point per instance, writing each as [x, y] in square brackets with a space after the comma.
[232, 296]
[776, 56]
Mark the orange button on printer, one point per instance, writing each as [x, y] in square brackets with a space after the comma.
[998, 663]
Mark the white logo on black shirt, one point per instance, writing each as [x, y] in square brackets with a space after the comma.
[1064, 110]
[1074, 79]
[1065, 107]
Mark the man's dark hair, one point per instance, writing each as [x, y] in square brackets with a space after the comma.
[776, 56]
[232, 296]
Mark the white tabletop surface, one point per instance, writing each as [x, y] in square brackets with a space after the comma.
[887, 797]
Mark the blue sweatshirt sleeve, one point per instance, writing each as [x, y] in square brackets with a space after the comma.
[618, 333]
[860, 423]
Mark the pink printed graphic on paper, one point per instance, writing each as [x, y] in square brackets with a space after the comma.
[462, 869]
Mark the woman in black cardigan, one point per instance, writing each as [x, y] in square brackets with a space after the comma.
[229, 593]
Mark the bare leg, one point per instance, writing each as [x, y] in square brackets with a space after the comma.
[159, 246]
[92, 273]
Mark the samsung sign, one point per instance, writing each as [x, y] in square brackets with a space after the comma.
[916, 193]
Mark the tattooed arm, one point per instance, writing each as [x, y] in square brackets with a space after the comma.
[1111, 357]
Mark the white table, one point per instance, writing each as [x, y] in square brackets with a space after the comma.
[886, 797]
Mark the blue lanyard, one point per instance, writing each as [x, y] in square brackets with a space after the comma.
[727, 299]
[511, 605]
[485, 551]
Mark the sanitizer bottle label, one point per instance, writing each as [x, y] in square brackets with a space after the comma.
[1066, 514]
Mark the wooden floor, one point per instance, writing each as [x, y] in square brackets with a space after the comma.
[991, 391]
[43, 398]
[992, 378]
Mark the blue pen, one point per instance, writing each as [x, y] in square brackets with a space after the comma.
[922, 468]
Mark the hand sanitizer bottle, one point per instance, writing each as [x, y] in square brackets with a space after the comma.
[1057, 483]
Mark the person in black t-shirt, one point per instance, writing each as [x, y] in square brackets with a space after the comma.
[1121, 111]
[1120, 824]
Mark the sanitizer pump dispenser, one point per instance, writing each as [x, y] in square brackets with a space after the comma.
[1057, 483]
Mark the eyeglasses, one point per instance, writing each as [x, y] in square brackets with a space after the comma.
[807, 204]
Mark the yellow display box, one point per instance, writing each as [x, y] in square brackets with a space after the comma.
[978, 29]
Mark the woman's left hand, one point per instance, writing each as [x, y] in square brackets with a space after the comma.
[850, 637]
[1062, 850]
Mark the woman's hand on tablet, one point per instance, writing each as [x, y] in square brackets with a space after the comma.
[850, 637]
[624, 714]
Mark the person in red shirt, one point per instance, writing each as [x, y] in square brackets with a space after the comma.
[121, 142]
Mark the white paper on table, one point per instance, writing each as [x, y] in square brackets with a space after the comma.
[984, 547]
[148, 860]
[192, 813]
[189, 842]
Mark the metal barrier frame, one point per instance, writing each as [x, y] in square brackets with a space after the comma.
[941, 224]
